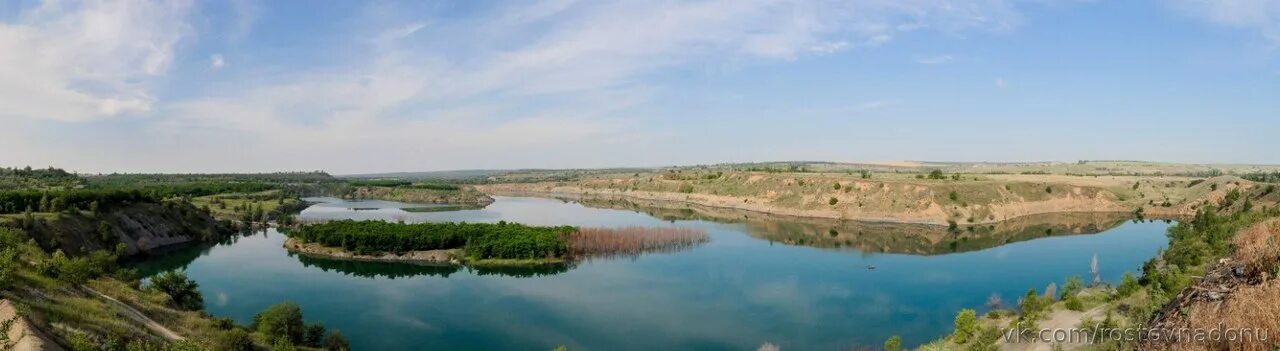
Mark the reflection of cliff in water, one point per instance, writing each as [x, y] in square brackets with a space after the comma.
[919, 239]
[177, 257]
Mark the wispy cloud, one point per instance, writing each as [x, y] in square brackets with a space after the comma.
[536, 76]
[934, 60]
[1262, 16]
[217, 61]
[86, 61]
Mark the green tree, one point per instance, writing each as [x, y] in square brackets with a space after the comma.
[335, 341]
[965, 325]
[184, 292]
[937, 174]
[313, 334]
[282, 321]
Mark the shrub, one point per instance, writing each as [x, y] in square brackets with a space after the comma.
[313, 334]
[280, 322]
[836, 186]
[953, 196]
[893, 344]
[965, 325]
[1073, 303]
[335, 341]
[1128, 285]
[1030, 304]
[184, 292]
[937, 174]
[1073, 286]
[233, 340]
[833, 201]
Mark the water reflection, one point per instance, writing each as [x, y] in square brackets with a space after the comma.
[742, 288]
[904, 238]
[368, 269]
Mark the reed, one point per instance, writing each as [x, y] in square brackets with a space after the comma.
[631, 241]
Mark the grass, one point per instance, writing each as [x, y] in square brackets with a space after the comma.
[223, 206]
[1258, 247]
[1253, 307]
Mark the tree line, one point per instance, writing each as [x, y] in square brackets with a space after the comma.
[479, 240]
[18, 201]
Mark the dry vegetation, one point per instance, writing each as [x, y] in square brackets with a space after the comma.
[1255, 307]
[631, 241]
[911, 196]
[1258, 248]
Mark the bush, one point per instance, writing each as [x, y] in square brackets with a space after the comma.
[233, 340]
[1030, 304]
[893, 344]
[1073, 286]
[1128, 285]
[1073, 303]
[833, 201]
[280, 322]
[313, 334]
[965, 325]
[184, 292]
[335, 341]
[937, 174]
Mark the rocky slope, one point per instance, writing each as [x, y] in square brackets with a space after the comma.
[140, 227]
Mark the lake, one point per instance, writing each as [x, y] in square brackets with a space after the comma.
[800, 284]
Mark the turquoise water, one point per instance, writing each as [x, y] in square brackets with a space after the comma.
[733, 293]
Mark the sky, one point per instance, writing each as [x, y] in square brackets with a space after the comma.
[361, 87]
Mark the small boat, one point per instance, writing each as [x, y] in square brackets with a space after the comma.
[870, 267]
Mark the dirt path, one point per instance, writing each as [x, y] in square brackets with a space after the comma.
[137, 316]
[1062, 319]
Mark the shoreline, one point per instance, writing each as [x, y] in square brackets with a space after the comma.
[450, 257]
[671, 201]
[429, 257]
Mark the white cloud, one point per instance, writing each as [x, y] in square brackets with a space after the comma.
[534, 79]
[217, 61]
[1262, 16]
[934, 60]
[1000, 83]
[77, 62]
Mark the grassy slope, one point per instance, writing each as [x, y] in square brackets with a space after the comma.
[902, 197]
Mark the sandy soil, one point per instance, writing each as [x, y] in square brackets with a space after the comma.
[22, 337]
[1061, 319]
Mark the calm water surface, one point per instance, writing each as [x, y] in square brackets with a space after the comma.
[733, 293]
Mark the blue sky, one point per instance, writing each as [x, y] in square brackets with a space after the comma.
[350, 87]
